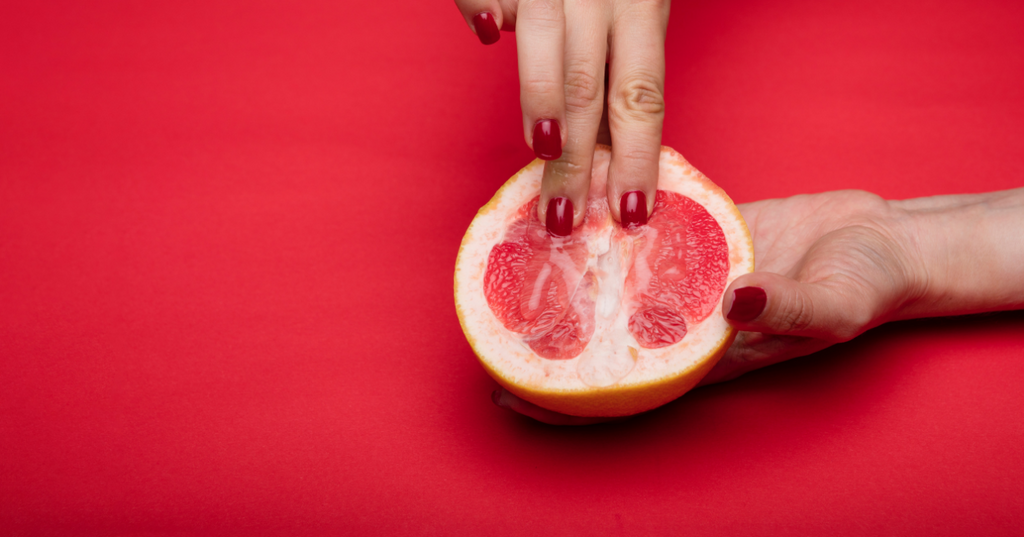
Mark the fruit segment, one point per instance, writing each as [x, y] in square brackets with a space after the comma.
[639, 287]
[535, 286]
[680, 271]
[571, 334]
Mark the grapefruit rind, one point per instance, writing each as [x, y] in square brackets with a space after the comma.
[659, 375]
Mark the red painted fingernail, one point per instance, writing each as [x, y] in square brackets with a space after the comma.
[559, 220]
[496, 397]
[486, 28]
[547, 139]
[747, 304]
[633, 209]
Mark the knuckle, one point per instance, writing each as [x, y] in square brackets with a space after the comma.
[582, 89]
[543, 12]
[642, 158]
[797, 314]
[640, 95]
[647, 6]
[538, 87]
[644, 7]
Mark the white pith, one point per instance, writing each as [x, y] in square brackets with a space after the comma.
[612, 357]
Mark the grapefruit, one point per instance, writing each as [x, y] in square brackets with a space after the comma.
[608, 321]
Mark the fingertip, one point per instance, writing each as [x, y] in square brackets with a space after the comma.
[746, 299]
[560, 216]
[633, 172]
[547, 139]
[633, 210]
[747, 304]
[775, 304]
[486, 26]
[563, 213]
[565, 187]
[496, 398]
[509, 401]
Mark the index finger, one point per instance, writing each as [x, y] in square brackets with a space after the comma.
[636, 109]
[484, 17]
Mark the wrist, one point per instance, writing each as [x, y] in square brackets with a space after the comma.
[924, 276]
[964, 253]
[912, 277]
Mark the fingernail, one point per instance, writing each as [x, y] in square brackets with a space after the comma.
[747, 304]
[633, 209]
[559, 219]
[496, 398]
[547, 139]
[486, 28]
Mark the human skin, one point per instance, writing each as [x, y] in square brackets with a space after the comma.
[563, 47]
[836, 264]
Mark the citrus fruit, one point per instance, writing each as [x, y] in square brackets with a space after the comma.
[609, 321]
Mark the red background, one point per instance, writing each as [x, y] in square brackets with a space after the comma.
[227, 239]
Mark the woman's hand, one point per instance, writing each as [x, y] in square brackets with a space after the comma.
[831, 266]
[563, 47]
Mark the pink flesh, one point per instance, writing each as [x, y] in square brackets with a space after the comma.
[538, 285]
[687, 265]
[530, 276]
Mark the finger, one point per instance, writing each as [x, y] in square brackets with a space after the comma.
[484, 17]
[829, 310]
[636, 108]
[754, 350]
[568, 177]
[505, 399]
[604, 132]
[540, 42]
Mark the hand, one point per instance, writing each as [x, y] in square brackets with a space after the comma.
[563, 46]
[832, 265]
[829, 267]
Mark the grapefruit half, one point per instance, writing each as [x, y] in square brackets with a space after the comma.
[608, 321]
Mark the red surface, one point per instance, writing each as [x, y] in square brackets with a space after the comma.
[227, 237]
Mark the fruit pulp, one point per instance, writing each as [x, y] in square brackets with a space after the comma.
[553, 293]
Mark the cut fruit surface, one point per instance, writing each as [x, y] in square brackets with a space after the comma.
[608, 321]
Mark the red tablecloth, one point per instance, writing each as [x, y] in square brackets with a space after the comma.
[227, 239]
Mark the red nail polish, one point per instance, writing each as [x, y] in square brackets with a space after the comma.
[496, 397]
[559, 220]
[547, 139]
[486, 28]
[633, 209]
[747, 304]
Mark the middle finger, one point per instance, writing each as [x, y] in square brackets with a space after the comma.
[568, 177]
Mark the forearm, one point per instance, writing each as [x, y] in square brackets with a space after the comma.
[967, 251]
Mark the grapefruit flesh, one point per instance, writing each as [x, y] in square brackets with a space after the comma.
[538, 285]
[608, 321]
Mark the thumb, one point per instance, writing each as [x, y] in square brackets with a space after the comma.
[770, 303]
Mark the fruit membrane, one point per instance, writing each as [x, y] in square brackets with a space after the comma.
[608, 321]
[554, 292]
